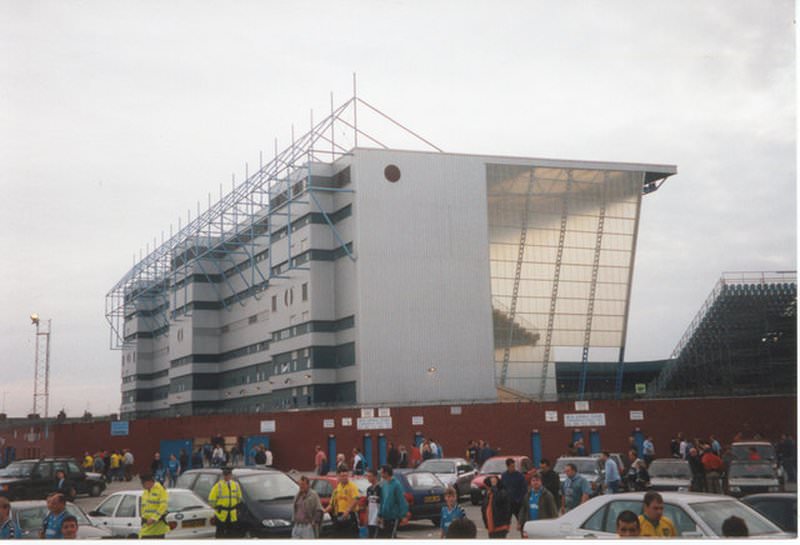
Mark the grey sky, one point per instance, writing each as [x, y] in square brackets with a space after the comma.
[117, 117]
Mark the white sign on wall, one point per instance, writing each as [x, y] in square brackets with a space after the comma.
[637, 415]
[385, 412]
[367, 413]
[380, 423]
[584, 420]
[455, 410]
[267, 426]
[347, 421]
[551, 416]
[581, 405]
[417, 421]
[329, 423]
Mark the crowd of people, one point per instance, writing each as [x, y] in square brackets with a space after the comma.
[113, 465]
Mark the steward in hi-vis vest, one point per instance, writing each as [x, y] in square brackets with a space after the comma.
[153, 509]
[225, 497]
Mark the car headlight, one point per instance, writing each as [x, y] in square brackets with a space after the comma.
[275, 523]
[774, 489]
[735, 489]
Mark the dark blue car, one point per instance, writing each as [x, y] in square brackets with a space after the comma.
[424, 493]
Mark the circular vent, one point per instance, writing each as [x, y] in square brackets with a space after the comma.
[392, 173]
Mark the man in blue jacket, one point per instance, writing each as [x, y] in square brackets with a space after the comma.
[515, 484]
[394, 506]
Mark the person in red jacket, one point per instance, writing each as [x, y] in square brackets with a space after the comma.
[712, 465]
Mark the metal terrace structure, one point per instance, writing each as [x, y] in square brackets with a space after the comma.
[341, 274]
[743, 341]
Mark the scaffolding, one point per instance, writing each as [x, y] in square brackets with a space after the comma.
[229, 228]
[742, 341]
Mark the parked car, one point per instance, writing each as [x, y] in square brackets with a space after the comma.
[694, 516]
[455, 472]
[752, 478]
[29, 514]
[35, 479]
[670, 474]
[779, 507]
[267, 494]
[741, 451]
[424, 493]
[187, 515]
[588, 467]
[495, 466]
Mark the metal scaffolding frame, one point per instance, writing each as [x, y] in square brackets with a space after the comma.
[230, 227]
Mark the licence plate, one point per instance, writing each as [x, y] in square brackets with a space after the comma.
[432, 499]
[194, 523]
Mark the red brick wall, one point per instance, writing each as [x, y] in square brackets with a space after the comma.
[505, 425]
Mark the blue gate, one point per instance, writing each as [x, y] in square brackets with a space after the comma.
[174, 446]
[536, 447]
[381, 450]
[332, 452]
[418, 439]
[250, 445]
[367, 452]
[594, 441]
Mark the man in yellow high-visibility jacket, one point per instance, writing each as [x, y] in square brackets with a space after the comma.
[225, 496]
[153, 509]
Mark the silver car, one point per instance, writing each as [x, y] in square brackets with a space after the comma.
[755, 477]
[670, 474]
[29, 515]
[455, 472]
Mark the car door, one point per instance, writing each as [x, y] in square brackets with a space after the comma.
[202, 486]
[77, 476]
[42, 480]
[103, 515]
[603, 522]
[126, 521]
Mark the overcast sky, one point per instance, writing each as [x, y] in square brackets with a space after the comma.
[117, 117]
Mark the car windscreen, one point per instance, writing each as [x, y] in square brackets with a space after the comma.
[742, 452]
[19, 469]
[670, 470]
[269, 487]
[436, 466]
[752, 471]
[30, 518]
[423, 481]
[583, 466]
[179, 500]
[494, 466]
[714, 514]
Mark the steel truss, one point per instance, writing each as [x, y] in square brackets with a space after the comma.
[237, 229]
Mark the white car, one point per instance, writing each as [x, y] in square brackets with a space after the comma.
[187, 515]
[694, 515]
[29, 514]
[455, 472]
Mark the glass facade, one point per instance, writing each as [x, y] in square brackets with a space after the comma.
[562, 243]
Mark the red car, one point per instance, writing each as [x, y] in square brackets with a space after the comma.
[495, 466]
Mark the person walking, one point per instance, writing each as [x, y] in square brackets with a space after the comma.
[393, 456]
[394, 506]
[652, 521]
[373, 504]
[648, 450]
[343, 506]
[698, 471]
[225, 497]
[550, 479]
[127, 462]
[57, 510]
[358, 462]
[64, 485]
[402, 461]
[575, 490]
[260, 456]
[173, 470]
[157, 468]
[153, 509]
[712, 465]
[539, 505]
[307, 512]
[8, 528]
[218, 456]
[197, 458]
[183, 460]
[496, 508]
[451, 511]
[612, 478]
[320, 461]
[515, 485]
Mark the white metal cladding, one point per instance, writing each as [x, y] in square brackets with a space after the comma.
[424, 326]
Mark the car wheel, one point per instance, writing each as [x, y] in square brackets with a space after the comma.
[475, 498]
[95, 490]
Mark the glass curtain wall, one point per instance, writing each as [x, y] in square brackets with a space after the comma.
[562, 244]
